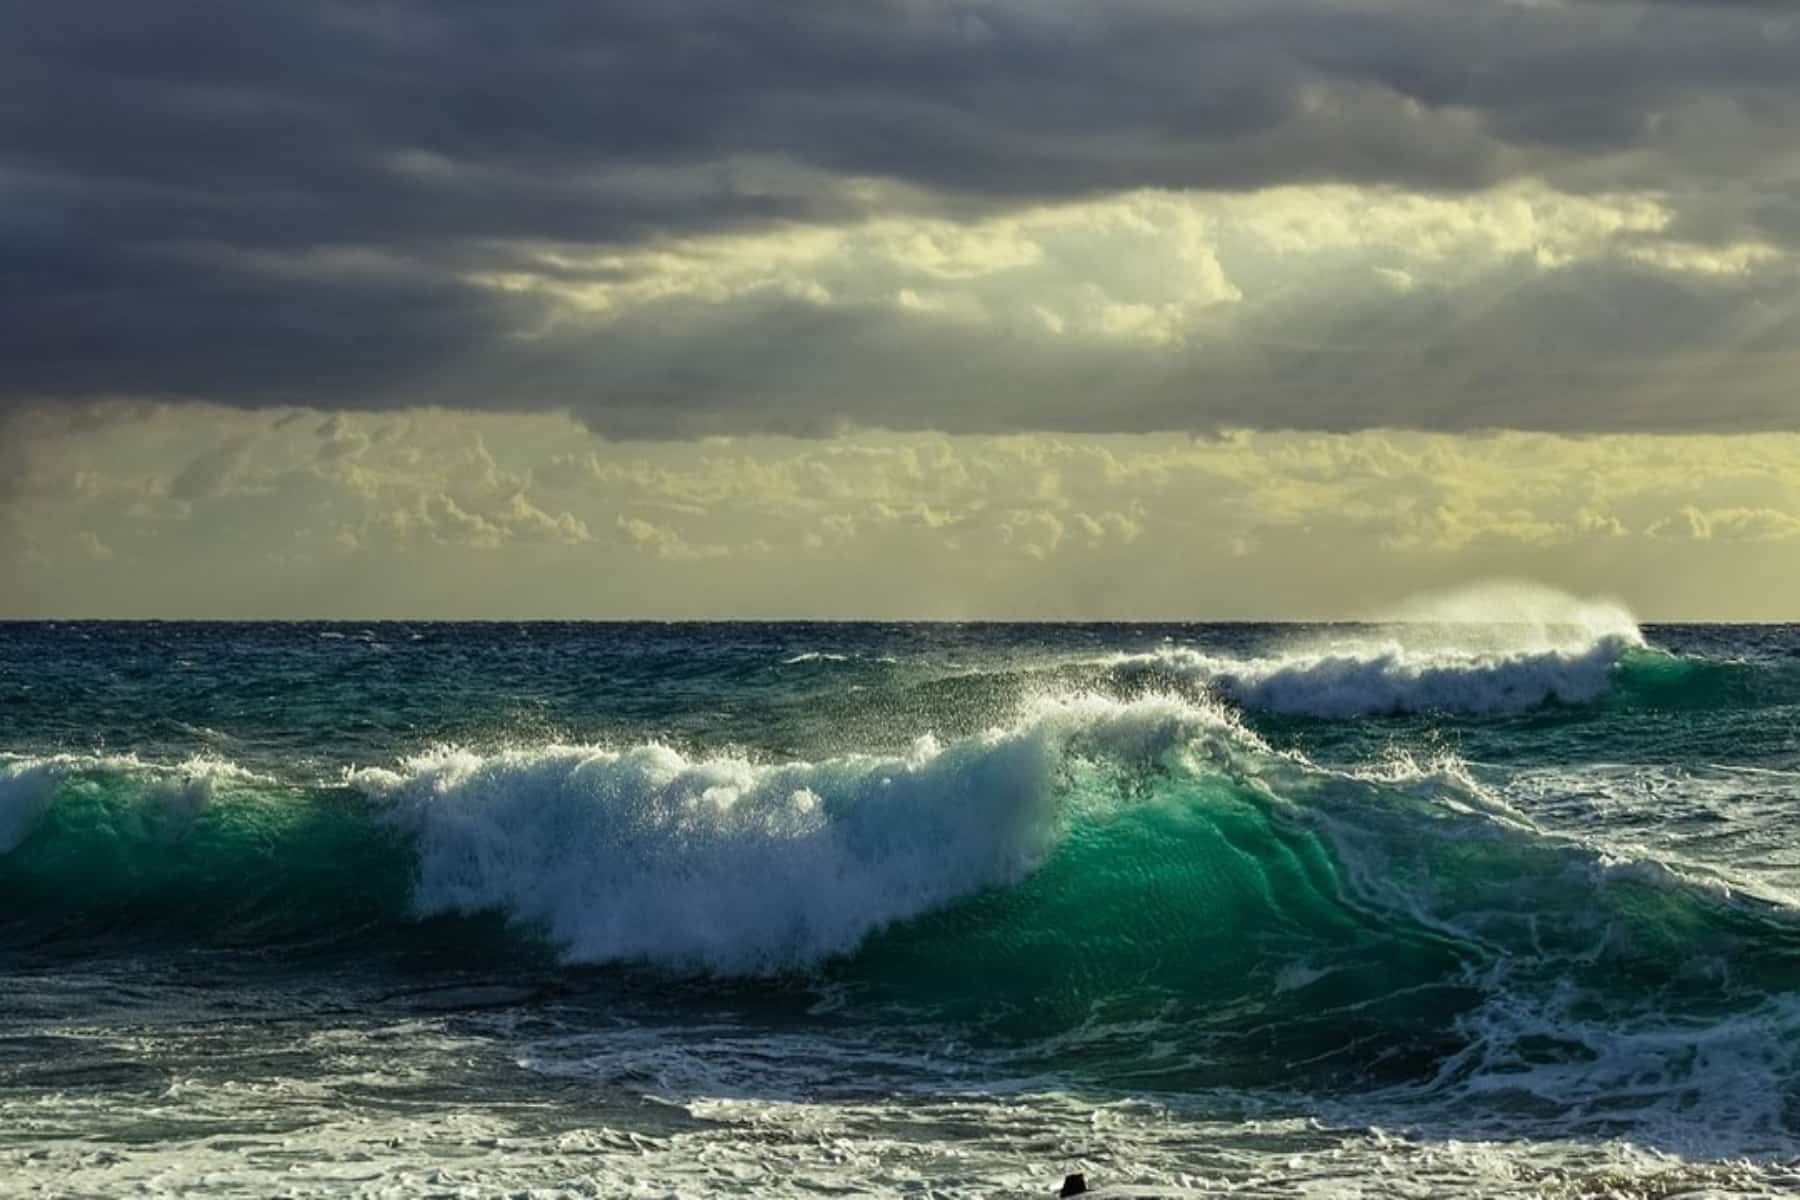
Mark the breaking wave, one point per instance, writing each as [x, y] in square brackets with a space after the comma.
[735, 866]
[1064, 883]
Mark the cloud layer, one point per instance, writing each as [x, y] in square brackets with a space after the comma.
[194, 511]
[699, 217]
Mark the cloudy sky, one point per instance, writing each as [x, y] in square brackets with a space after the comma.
[896, 308]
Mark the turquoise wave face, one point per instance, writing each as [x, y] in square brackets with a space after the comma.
[1305, 930]
[116, 849]
[1658, 680]
[117, 857]
[1204, 928]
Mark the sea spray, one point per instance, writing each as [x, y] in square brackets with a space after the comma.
[1516, 614]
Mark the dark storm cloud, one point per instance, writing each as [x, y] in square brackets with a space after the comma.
[267, 203]
[1595, 348]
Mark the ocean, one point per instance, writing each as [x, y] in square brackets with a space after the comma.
[1496, 901]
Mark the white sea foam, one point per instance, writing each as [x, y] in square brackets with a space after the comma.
[779, 1113]
[1716, 825]
[736, 866]
[1650, 1074]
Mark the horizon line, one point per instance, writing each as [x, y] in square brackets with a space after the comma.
[1044, 621]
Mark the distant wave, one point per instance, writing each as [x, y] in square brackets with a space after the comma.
[827, 656]
[1386, 677]
[1486, 649]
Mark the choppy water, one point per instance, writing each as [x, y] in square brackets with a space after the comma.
[621, 910]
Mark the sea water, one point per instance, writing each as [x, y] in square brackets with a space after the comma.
[1502, 898]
